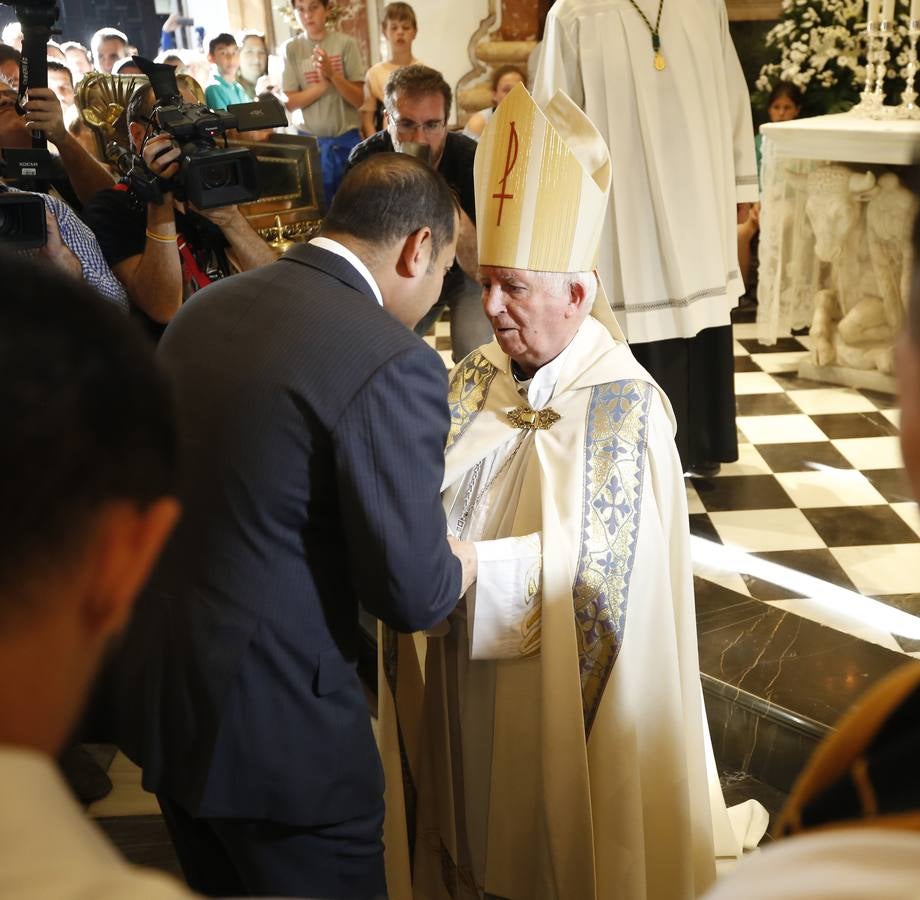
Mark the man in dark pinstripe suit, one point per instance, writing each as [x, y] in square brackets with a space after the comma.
[313, 424]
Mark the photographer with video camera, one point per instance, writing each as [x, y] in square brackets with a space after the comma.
[31, 115]
[46, 225]
[172, 225]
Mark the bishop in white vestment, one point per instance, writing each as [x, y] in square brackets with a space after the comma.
[662, 83]
[549, 741]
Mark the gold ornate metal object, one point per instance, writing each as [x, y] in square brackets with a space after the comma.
[294, 233]
[279, 239]
[102, 100]
[532, 419]
[659, 62]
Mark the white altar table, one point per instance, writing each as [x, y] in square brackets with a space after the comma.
[833, 235]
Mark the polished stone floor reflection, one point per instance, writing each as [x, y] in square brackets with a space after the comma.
[819, 490]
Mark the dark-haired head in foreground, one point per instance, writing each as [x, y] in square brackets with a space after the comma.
[87, 474]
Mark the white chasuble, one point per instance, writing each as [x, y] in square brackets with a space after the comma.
[681, 149]
[550, 743]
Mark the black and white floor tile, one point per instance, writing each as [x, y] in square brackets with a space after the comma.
[816, 516]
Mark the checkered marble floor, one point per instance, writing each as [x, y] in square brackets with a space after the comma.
[439, 338]
[816, 516]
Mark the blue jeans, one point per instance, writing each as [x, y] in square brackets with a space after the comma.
[333, 155]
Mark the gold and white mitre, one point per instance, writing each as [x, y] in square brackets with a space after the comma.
[542, 180]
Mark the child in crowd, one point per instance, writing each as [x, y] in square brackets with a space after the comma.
[77, 57]
[108, 45]
[12, 36]
[783, 105]
[10, 59]
[400, 28]
[504, 79]
[223, 89]
[172, 58]
[60, 80]
[126, 66]
[56, 52]
[324, 82]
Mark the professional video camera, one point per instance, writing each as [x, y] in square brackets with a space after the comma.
[22, 221]
[209, 175]
[37, 18]
[22, 216]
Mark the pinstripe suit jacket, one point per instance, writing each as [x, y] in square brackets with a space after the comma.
[313, 428]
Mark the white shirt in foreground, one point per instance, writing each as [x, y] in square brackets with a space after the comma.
[50, 850]
[842, 864]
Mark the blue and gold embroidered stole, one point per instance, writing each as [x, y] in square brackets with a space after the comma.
[615, 457]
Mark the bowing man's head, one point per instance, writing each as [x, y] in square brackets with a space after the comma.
[400, 218]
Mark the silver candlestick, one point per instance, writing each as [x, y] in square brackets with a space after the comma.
[879, 110]
[867, 99]
[908, 108]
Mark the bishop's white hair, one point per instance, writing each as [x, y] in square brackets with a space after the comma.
[561, 282]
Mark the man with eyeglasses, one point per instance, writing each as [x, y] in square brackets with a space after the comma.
[417, 103]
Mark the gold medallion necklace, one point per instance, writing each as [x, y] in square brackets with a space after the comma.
[656, 37]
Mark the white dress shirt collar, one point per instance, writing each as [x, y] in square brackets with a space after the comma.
[338, 249]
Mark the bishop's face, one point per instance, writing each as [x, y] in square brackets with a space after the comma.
[534, 317]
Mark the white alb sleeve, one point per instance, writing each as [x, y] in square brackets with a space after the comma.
[503, 605]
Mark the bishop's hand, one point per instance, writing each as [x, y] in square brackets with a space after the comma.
[465, 551]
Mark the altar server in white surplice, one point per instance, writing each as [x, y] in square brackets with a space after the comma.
[549, 741]
[662, 83]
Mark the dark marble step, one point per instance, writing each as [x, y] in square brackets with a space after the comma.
[774, 683]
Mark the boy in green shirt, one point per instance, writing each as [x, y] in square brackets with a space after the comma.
[223, 89]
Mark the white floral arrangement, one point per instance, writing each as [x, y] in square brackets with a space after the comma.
[821, 47]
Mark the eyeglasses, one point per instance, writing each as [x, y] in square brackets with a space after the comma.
[406, 127]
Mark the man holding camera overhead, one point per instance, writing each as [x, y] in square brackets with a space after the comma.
[164, 252]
